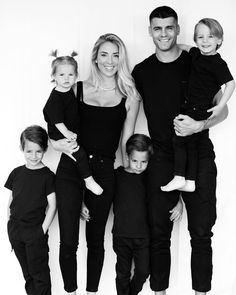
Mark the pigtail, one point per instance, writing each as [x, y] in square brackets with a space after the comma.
[54, 53]
[74, 53]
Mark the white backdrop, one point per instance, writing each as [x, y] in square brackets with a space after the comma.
[29, 29]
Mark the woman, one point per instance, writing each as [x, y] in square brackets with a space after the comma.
[109, 104]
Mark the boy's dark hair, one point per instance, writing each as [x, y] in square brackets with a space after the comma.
[163, 12]
[35, 134]
[139, 142]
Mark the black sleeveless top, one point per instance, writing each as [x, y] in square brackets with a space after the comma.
[100, 127]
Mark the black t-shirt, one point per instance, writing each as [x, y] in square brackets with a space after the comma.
[61, 107]
[30, 188]
[208, 74]
[162, 87]
[130, 205]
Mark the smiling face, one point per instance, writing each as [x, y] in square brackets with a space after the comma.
[164, 32]
[206, 41]
[33, 154]
[138, 161]
[64, 77]
[108, 59]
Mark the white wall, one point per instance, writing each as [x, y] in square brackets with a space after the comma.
[29, 29]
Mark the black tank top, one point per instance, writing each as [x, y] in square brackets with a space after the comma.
[100, 127]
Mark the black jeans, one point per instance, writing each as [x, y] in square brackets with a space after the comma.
[99, 206]
[186, 155]
[31, 249]
[82, 162]
[69, 191]
[127, 250]
[201, 212]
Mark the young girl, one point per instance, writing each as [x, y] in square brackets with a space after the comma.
[61, 114]
[208, 73]
[32, 206]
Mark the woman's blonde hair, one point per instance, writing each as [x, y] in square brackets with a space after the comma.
[124, 80]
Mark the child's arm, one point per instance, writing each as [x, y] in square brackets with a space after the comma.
[8, 206]
[228, 91]
[84, 215]
[67, 133]
[177, 211]
[184, 47]
[51, 211]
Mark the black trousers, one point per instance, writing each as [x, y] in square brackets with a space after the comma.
[201, 213]
[82, 162]
[186, 147]
[186, 155]
[128, 250]
[31, 249]
[69, 192]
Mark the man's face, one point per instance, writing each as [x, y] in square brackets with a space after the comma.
[164, 32]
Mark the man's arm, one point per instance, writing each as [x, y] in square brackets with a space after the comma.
[184, 125]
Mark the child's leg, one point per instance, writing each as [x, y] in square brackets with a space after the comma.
[191, 167]
[37, 256]
[85, 172]
[124, 254]
[141, 265]
[20, 252]
[179, 165]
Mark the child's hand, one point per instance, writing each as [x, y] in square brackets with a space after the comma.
[177, 211]
[216, 110]
[71, 135]
[84, 215]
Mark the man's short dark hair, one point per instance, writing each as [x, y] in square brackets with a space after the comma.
[163, 12]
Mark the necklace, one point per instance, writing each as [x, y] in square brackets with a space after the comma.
[107, 89]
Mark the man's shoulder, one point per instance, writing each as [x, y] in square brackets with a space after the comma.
[146, 62]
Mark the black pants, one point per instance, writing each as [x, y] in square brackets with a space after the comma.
[31, 249]
[82, 162]
[201, 212]
[69, 191]
[127, 250]
[186, 155]
[186, 147]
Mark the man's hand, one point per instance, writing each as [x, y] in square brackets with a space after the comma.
[184, 125]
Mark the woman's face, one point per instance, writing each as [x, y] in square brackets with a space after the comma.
[108, 59]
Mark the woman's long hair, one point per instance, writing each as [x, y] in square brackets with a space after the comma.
[124, 80]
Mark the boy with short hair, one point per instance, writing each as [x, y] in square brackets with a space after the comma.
[32, 207]
[130, 229]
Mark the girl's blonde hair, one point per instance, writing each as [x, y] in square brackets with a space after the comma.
[124, 80]
[63, 60]
[214, 27]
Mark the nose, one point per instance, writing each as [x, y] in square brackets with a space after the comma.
[139, 165]
[163, 32]
[34, 155]
[109, 59]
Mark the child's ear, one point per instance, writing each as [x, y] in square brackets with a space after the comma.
[21, 149]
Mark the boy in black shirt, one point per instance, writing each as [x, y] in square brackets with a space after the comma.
[130, 229]
[32, 207]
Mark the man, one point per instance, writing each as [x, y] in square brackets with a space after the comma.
[161, 80]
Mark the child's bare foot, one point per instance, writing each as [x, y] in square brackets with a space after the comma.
[175, 184]
[72, 293]
[189, 186]
[91, 185]
[91, 293]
